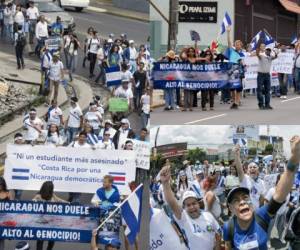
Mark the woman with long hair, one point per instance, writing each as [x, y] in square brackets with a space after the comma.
[53, 137]
[114, 58]
[231, 180]
[46, 194]
[72, 51]
[183, 184]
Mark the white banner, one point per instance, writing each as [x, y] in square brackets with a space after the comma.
[142, 150]
[71, 169]
[162, 234]
[284, 63]
[250, 81]
[249, 132]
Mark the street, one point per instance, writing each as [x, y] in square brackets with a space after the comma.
[104, 24]
[284, 112]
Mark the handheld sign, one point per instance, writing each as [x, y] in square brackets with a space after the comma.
[118, 104]
[195, 35]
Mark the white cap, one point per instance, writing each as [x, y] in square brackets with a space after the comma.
[108, 121]
[110, 40]
[188, 194]
[131, 41]
[124, 120]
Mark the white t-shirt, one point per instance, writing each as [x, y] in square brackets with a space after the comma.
[32, 134]
[41, 30]
[77, 145]
[93, 118]
[94, 44]
[54, 116]
[257, 188]
[32, 13]
[106, 145]
[283, 207]
[54, 140]
[124, 93]
[55, 70]
[200, 232]
[145, 100]
[123, 137]
[216, 207]
[19, 18]
[74, 117]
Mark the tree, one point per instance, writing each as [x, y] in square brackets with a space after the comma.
[196, 154]
[269, 149]
[252, 151]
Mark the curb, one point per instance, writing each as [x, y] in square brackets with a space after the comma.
[157, 105]
[115, 13]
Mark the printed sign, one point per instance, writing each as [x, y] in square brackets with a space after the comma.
[29, 220]
[198, 12]
[250, 132]
[71, 169]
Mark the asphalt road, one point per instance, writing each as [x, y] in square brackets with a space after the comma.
[284, 112]
[105, 24]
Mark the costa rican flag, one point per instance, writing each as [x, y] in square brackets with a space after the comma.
[119, 178]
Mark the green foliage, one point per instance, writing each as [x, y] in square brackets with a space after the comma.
[196, 154]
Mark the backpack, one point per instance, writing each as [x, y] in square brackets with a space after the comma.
[264, 225]
[21, 40]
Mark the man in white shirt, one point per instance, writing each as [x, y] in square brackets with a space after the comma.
[123, 134]
[33, 125]
[32, 13]
[145, 103]
[124, 91]
[201, 228]
[41, 33]
[56, 75]
[132, 56]
[54, 115]
[8, 22]
[250, 180]
[74, 121]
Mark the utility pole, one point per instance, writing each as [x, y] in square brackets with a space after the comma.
[173, 24]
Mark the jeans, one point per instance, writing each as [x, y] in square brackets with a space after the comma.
[40, 45]
[9, 32]
[71, 66]
[207, 95]
[263, 89]
[282, 83]
[32, 24]
[178, 99]
[71, 133]
[40, 243]
[138, 95]
[297, 79]
[19, 56]
[170, 97]
[225, 95]
[188, 98]
[145, 117]
[67, 56]
[102, 75]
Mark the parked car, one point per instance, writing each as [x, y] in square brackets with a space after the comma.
[79, 5]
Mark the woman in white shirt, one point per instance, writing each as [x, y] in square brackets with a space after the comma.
[93, 47]
[53, 136]
[94, 118]
[183, 185]
[72, 51]
[18, 17]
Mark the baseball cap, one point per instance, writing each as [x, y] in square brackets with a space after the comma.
[124, 120]
[188, 194]
[22, 245]
[234, 191]
[108, 122]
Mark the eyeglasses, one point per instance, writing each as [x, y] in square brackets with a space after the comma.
[237, 201]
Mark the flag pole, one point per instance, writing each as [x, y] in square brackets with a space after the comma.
[118, 207]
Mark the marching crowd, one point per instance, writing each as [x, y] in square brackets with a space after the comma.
[58, 48]
[80, 130]
[229, 206]
[187, 99]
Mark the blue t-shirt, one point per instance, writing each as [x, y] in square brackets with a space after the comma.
[57, 28]
[234, 56]
[255, 238]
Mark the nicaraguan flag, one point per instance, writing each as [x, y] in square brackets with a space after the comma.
[263, 37]
[294, 39]
[267, 159]
[113, 76]
[131, 212]
[226, 22]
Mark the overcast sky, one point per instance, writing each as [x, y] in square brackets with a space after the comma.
[211, 136]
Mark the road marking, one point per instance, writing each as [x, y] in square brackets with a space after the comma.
[205, 119]
[292, 99]
[100, 10]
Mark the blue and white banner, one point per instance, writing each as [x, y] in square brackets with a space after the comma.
[113, 76]
[196, 76]
[71, 169]
[162, 234]
[29, 220]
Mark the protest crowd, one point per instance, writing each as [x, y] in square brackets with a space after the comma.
[119, 64]
[263, 68]
[243, 204]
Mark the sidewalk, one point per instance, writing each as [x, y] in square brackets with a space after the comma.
[158, 98]
[106, 6]
[32, 74]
